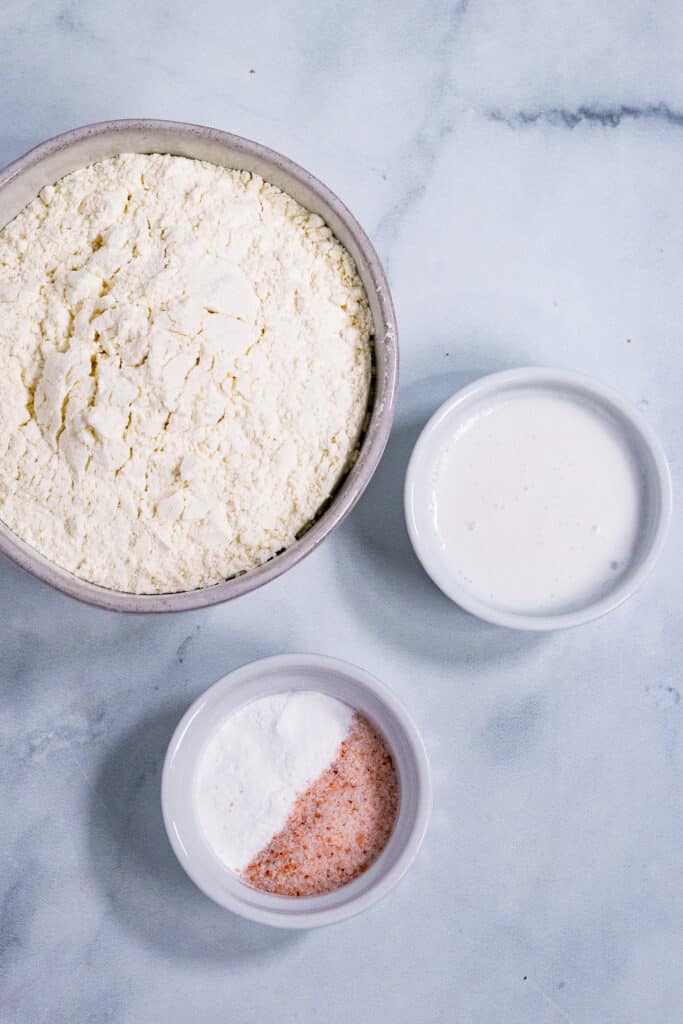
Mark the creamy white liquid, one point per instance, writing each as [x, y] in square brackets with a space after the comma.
[536, 502]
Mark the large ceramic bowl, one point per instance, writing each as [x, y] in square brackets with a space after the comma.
[21, 182]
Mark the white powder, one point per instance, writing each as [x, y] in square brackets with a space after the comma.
[184, 371]
[256, 764]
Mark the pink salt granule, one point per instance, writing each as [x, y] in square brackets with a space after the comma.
[338, 826]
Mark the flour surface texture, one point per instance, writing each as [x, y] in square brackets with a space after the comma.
[184, 371]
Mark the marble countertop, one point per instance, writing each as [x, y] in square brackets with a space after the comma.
[518, 166]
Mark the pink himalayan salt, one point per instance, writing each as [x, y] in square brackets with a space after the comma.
[338, 826]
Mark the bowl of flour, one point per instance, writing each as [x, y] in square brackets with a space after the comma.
[199, 359]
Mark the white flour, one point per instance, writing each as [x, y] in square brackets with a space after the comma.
[257, 763]
[184, 371]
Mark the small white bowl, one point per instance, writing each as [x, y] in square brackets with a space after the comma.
[359, 690]
[636, 433]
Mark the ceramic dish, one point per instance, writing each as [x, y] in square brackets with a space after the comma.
[21, 182]
[362, 692]
[635, 434]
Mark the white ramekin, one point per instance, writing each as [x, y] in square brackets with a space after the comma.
[286, 672]
[637, 434]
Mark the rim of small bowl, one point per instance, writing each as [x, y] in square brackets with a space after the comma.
[381, 409]
[279, 674]
[657, 474]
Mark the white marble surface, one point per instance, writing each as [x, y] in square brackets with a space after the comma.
[519, 167]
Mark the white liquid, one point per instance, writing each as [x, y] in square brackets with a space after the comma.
[536, 502]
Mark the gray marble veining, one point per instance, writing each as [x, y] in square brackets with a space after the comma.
[518, 166]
